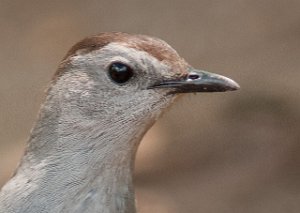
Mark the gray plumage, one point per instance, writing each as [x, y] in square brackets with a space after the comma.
[80, 155]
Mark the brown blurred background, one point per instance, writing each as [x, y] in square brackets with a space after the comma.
[216, 153]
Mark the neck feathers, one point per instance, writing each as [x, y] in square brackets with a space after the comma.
[75, 165]
[80, 158]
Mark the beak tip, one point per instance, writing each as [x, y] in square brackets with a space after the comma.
[233, 85]
[230, 85]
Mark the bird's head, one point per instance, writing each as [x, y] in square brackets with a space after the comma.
[107, 92]
[128, 76]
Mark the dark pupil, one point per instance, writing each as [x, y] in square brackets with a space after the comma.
[120, 73]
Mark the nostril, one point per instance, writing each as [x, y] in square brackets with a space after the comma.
[193, 76]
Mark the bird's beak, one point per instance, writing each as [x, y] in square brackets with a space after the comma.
[199, 81]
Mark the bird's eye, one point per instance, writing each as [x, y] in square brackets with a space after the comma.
[119, 72]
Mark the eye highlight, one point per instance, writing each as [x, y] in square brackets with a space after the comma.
[120, 72]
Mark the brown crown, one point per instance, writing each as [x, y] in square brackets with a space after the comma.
[154, 46]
